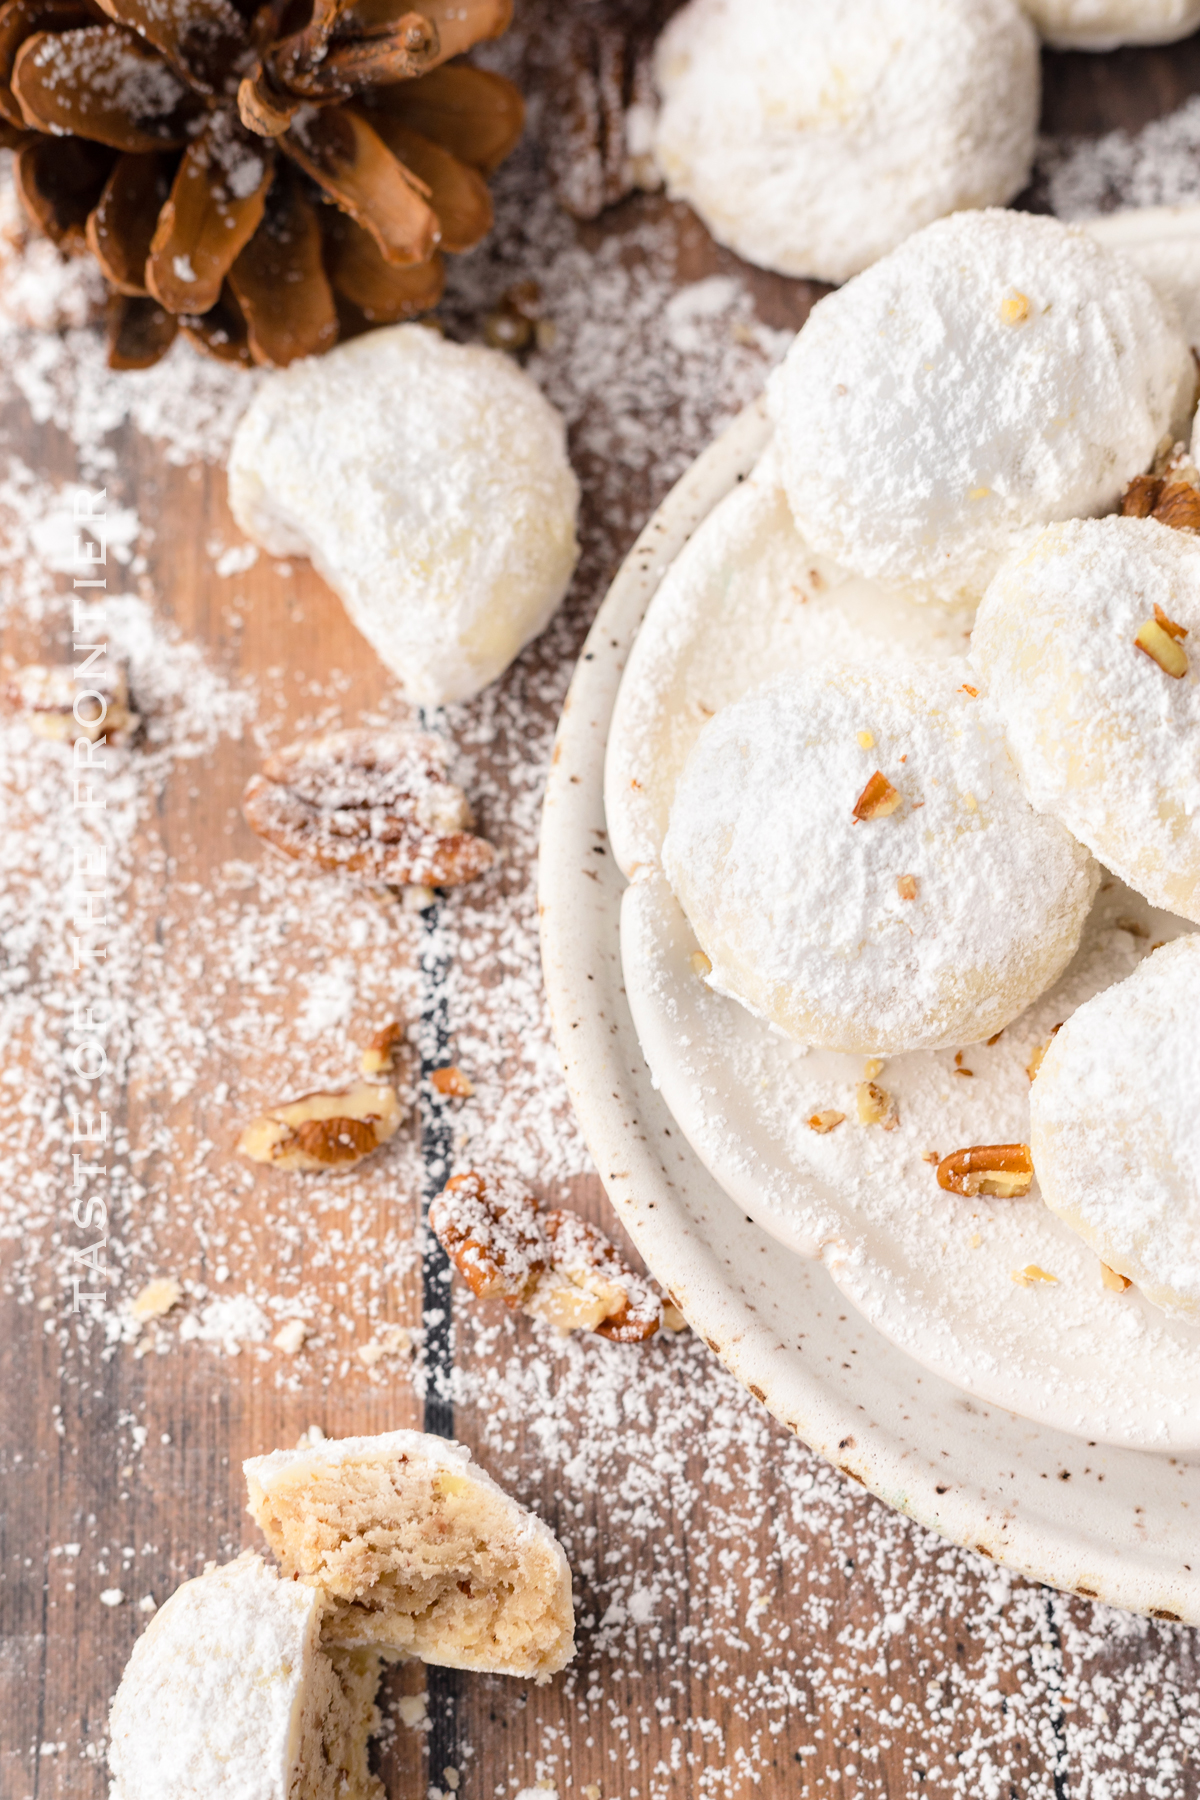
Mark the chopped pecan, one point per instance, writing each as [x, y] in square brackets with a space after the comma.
[452, 1083]
[492, 1232]
[380, 1056]
[589, 1266]
[1002, 1170]
[553, 1266]
[1141, 496]
[1178, 506]
[375, 804]
[61, 706]
[1031, 1274]
[1111, 1279]
[906, 886]
[875, 1106]
[1039, 1056]
[319, 1132]
[878, 799]
[822, 1122]
[1158, 638]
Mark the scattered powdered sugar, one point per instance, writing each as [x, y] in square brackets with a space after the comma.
[236, 981]
[1157, 166]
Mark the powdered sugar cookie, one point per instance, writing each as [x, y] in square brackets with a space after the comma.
[814, 138]
[417, 1551]
[1103, 24]
[996, 373]
[1083, 642]
[429, 483]
[228, 1694]
[1116, 1128]
[856, 858]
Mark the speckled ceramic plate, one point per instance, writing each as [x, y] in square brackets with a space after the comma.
[1106, 1522]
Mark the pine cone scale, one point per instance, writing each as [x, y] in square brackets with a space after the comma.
[146, 133]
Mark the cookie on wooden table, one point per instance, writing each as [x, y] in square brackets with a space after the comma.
[230, 1695]
[418, 1551]
[812, 136]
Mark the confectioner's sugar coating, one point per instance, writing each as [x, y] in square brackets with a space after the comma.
[746, 576]
[1103, 24]
[798, 903]
[1116, 1127]
[419, 1551]
[996, 373]
[812, 138]
[227, 1695]
[1104, 739]
[429, 483]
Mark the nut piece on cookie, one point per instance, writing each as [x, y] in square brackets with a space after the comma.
[229, 1692]
[48, 694]
[320, 1132]
[417, 1552]
[375, 804]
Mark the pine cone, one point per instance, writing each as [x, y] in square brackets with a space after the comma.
[189, 144]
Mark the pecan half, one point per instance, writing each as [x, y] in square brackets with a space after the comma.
[319, 1132]
[375, 804]
[1002, 1170]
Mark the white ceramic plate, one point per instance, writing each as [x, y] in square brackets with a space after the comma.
[744, 599]
[1104, 1521]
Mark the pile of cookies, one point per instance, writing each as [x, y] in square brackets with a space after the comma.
[877, 858]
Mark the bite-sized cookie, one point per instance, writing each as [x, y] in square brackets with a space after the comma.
[1089, 645]
[429, 483]
[1116, 1127]
[998, 372]
[418, 1551]
[1103, 24]
[229, 1695]
[854, 853]
[812, 139]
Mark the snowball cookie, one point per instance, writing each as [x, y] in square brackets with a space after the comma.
[860, 866]
[228, 1695]
[812, 136]
[997, 372]
[1115, 1128]
[1104, 737]
[429, 483]
[1103, 24]
[418, 1551]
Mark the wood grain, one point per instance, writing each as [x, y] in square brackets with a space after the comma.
[627, 1722]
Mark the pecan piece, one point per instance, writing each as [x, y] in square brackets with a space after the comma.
[319, 1132]
[452, 1083]
[591, 1277]
[492, 1232]
[1002, 1170]
[875, 1106]
[1158, 638]
[553, 1266]
[1141, 496]
[61, 707]
[878, 799]
[375, 804]
[380, 1056]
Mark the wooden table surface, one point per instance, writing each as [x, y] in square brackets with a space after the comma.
[748, 1623]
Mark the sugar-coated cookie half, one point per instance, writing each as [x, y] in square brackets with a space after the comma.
[429, 483]
[228, 1695]
[998, 372]
[855, 856]
[812, 138]
[1103, 24]
[1115, 1127]
[1089, 645]
[418, 1551]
